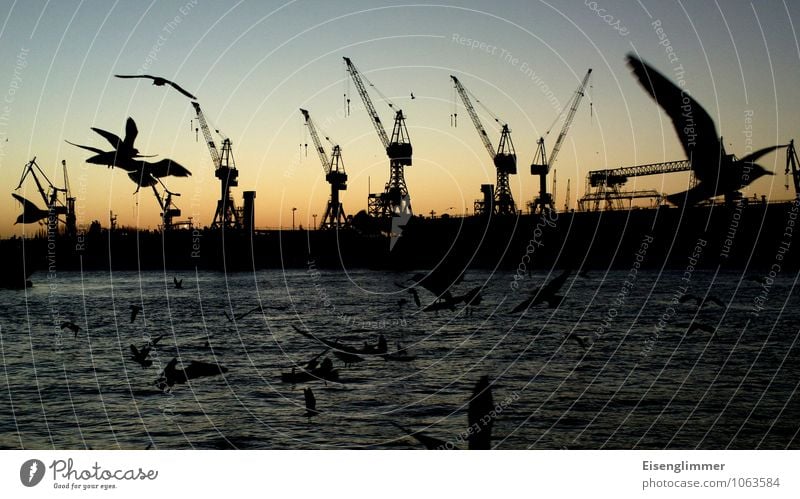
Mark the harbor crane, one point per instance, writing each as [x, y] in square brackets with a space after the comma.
[168, 209]
[505, 158]
[57, 200]
[395, 200]
[541, 164]
[226, 215]
[335, 175]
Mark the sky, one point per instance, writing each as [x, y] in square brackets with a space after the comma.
[252, 65]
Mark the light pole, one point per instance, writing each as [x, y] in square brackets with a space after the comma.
[315, 221]
[293, 210]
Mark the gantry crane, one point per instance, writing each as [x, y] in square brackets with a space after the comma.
[335, 175]
[541, 163]
[505, 159]
[52, 196]
[394, 201]
[226, 216]
[603, 185]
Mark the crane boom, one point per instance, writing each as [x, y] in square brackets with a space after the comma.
[474, 116]
[212, 147]
[576, 100]
[362, 91]
[323, 156]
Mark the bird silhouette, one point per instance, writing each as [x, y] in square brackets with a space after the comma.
[582, 341]
[30, 212]
[412, 96]
[311, 403]
[479, 419]
[237, 317]
[135, 309]
[697, 326]
[141, 356]
[178, 284]
[413, 292]
[717, 172]
[481, 405]
[124, 147]
[429, 442]
[160, 82]
[700, 302]
[71, 326]
[125, 156]
[196, 369]
[546, 293]
[348, 358]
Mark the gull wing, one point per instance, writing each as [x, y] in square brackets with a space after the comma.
[130, 133]
[695, 128]
[112, 139]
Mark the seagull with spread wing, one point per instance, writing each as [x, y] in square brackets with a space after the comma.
[717, 172]
[160, 82]
[546, 293]
[124, 155]
[30, 212]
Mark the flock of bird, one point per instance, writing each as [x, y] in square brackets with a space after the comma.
[441, 283]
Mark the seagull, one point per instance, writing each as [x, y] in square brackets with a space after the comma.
[124, 155]
[160, 82]
[348, 358]
[700, 302]
[237, 317]
[30, 212]
[546, 293]
[140, 356]
[178, 284]
[582, 341]
[479, 418]
[172, 375]
[696, 326]
[481, 405]
[135, 309]
[429, 442]
[412, 96]
[717, 172]
[71, 326]
[412, 291]
[123, 147]
[311, 403]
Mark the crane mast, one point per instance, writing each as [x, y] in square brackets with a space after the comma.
[226, 215]
[395, 200]
[541, 163]
[505, 159]
[335, 175]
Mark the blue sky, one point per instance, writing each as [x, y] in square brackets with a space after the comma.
[253, 64]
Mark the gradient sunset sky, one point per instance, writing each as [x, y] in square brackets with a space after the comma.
[253, 64]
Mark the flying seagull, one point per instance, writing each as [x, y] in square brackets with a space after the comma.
[140, 356]
[71, 326]
[311, 403]
[546, 293]
[178, 284]
[30, 212]
[135, 309]
[717, 172]
[160, 82]
[479, 418]
[196, 369]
